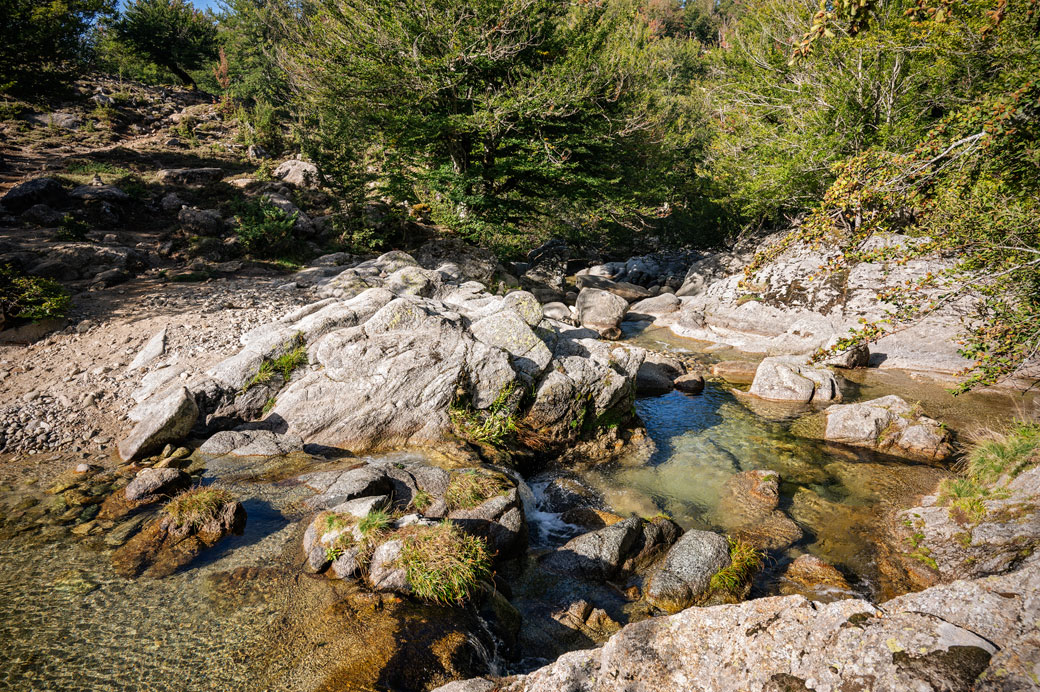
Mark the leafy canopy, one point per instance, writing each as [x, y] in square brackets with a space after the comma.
[171, 33]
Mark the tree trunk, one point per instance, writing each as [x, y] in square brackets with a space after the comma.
[181, 75]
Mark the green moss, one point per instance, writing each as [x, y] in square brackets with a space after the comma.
[443, 563]
[197, 506]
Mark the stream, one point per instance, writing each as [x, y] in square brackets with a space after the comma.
[67, 622]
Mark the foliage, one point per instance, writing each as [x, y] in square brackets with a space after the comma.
[493, 426]
[43, 43]
[745, 560]
[196, 507]
[374, 524]
[265, 230]
[509, 118]
[471, 488]
[421, 500]
[991, 464]
[72, 229]
[443, 563]
[30, 298]
[170, 33]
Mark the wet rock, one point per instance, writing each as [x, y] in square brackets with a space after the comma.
[787, 378]
[888, 424]
[590, 518]
[500, 521]
[166, 417]
[152, 484]
[815, 579]
[189, 176]
[657, 374]
[251, 443]
[602, 311]
[735, 371]
[562, 494]
[692, 383]
[684, 575]
[597, 555]
[163, 547]
[32, 192]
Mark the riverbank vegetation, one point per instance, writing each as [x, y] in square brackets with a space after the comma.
[626, 126]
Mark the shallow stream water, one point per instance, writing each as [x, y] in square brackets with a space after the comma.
[67, 622]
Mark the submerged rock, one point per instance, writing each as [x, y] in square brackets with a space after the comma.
[815, 579]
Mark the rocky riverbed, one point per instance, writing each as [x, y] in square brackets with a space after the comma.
[413, 469]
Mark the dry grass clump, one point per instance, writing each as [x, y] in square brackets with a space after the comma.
[196, 507]
[444, 564]
[469, 489]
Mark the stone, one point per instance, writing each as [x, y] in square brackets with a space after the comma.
[786, 378]
[508, 331]
[692, 383]
[684, 575]
[563, 493]
[167, 417]
[500, 521]
[337, 487]
[597, 555]
[152, 349]
[152, 484]
[471, 685]
[526, 305]
[657, 374]
[362, 506]
[546, 270]
[171, 202]
[246, 443]
[189, 176]
[384, 574]
[558, 312]
[601, 311]
[944, 638]
[858, 356]
[163, 547]
[888, 424]
[32, 192]
[630, 292]
[297, 172]
[42, 215]
[207, 222]
[735, 371]
[815, 579]
[649, 309]
[99, 193]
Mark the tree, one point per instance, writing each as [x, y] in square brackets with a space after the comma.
[171, 33]
[966, 189]
[45, 42]
[507, 117]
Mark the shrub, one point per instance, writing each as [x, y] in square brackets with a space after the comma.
[469, 489]
[264, 229]
[30, 298]
[196, 507]
[443, 563]
[72, 229]
[284, 365]
[170, 33]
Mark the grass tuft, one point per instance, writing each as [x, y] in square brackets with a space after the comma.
[744, 561]
[443, 563]
[494, 426]
[196, 507]
[469, 489]
[284, 365]
[421, 500]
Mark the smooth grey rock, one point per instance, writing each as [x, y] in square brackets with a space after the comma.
[692, 383]
[499, 520]
[526, 305]
[336, 487]
[888, 424]
[685, 573]
[189, 176]
[630, 292]
[602, 311]
[167, 417]
[510, 332]
[652, 308]
[152, 483]
[558, 312]
[32, 192]
[99, 193]
[362, 506]
[788, 378]
[247, 443]
[207, 222]
[152, 349]
[597, 555]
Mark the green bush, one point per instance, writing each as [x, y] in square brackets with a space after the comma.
[265, 230]
[30, 298]
[171, 33]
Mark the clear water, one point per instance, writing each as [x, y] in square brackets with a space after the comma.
[67, 622]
